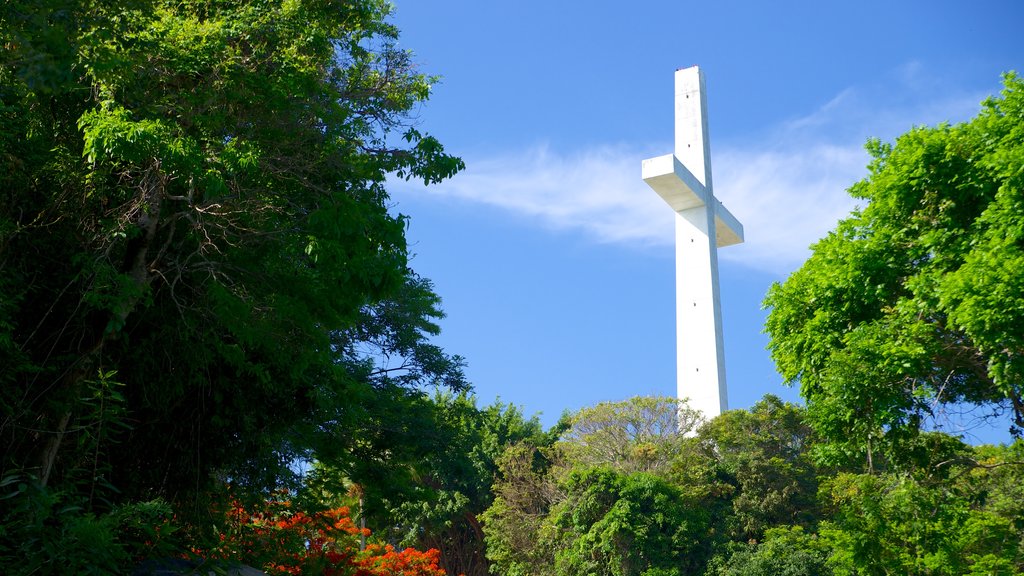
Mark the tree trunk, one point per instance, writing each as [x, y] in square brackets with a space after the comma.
[153, 187]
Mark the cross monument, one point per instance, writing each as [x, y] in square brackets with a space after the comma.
[703, 224]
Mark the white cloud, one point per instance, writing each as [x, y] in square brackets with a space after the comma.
[787, 194]
[598, 191]
[785, 200]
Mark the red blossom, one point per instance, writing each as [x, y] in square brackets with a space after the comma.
[283, 541]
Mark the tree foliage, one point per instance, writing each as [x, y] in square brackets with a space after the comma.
[745, 496]
[894, 523]
[453, 483]
[622, 491]
[785, 551]
[282, 540]
[913, 304]
[627, 524]
[765, 453]
[192, 198]
[642, 434]
[516, 526]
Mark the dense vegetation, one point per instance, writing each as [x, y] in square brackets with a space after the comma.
[201, 282]
[748, 494]
[213, 349]
[914, 305]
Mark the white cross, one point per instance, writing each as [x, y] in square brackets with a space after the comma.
[683, 180]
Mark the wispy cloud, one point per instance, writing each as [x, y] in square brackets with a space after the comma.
[787, 193]
[598, 191]
[785, 198]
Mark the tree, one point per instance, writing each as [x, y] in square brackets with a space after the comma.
[453, 484]
[786, 551]
[282, 540]
[613, 523]
[606, 497]
[193, 205]
[516, 526]
[893, 523]
[766, 451]
[914, 303]
[641, 434]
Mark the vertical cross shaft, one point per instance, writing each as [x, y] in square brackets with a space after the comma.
[683, 180]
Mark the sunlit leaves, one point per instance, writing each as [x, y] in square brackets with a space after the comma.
[206, 180]
[914, 302]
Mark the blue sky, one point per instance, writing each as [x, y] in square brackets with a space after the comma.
[555, 260]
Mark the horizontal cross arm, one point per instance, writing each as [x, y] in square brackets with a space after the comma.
[673, 182]
[682, 191]
[728, 230]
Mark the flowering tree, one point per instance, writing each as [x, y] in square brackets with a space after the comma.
[282, 540]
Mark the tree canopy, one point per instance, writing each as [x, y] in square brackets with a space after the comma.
[914, 304]
[746, 496]
[198, 264]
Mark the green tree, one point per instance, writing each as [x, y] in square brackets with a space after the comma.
[766, 452]
[786, 551]
[623, 490]
[613, 523]
[895, 524]
[454, 482]
[193, 196]
[641, 434]
[996, 474]
[944, 508]
[516, 527]
[914, 302]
